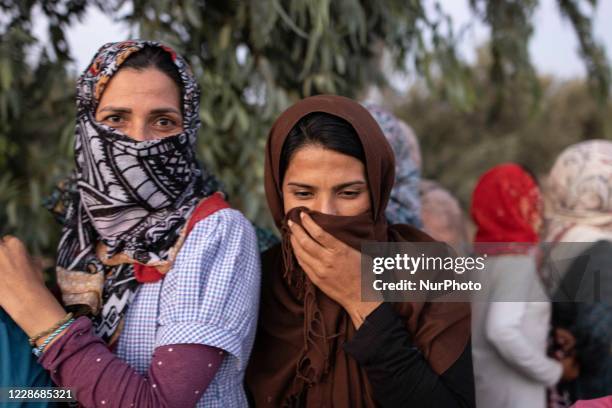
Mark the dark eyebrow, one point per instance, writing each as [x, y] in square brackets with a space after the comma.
[338, 187]
[165, 110]
[128, 110]
[349, 184]
[115, 109]
[299, 185]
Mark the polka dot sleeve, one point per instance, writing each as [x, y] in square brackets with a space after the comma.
[177, 377]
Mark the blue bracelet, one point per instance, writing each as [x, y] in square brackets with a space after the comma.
[38, 350]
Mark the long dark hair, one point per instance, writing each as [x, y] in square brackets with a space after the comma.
[325, 130]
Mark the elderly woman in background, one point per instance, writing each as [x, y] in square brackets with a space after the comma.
[443, 217]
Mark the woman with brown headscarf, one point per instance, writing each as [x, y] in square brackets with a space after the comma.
[329, 173]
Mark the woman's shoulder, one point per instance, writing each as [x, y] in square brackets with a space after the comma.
[220, 241]
[602, 249]
[225, 223]
[591, 268]
[594, 257]
[272, 257]
[221, 249]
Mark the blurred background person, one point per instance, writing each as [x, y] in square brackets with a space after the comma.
[443, 218]
[578, 203]
[404, 205]
[422, 203]
[509, 333]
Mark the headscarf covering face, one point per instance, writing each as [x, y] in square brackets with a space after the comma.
[506, 206]
[132, 198]
[404, 205]
[297, 358]
[442, 216]
[578, 192]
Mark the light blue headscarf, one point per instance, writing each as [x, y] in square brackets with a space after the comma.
[405, 203]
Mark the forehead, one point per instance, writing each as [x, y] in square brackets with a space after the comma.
[131, 85]
[315, 165]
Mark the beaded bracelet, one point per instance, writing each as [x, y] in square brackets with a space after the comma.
[38, 350]
[34, 339]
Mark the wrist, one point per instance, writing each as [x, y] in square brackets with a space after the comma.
[359, 311]
[37, 311]
[45, 341]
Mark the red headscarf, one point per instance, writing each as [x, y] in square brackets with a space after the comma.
[506, 205]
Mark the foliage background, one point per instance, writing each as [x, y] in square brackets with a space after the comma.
[255, 57]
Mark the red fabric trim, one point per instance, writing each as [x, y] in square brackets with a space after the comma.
[209, 206]
[146, 274]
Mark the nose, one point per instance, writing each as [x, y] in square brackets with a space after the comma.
[138, 131]
[325, 204]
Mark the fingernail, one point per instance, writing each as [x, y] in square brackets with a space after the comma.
[302, 215]
[290, 224]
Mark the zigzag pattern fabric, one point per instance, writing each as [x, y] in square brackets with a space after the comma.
[132, 197]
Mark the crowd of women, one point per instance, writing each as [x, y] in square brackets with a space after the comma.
[165, 301]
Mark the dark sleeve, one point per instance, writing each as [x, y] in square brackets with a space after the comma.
[399, 374]
[585, 287]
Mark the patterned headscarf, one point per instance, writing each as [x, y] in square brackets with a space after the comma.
[404, 203]
[132, 199]
[579, 192]
[412, 141]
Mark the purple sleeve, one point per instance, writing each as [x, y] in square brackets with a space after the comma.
[178, 375]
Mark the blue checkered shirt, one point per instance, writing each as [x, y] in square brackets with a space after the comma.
[210, 296]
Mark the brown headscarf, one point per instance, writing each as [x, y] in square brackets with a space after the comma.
[298, 358]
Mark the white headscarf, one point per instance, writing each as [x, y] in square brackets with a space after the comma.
[578, 194]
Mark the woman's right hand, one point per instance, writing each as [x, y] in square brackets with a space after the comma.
[18, 274]
[571, 368]
[566, 354]
[565, 339]
[23, 294]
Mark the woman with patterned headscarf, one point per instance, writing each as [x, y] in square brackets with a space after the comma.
[159, 275]
[578, 203]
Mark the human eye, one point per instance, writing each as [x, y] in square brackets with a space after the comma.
[350, 193]
[302, 194]
[165, 122]
[113, 119]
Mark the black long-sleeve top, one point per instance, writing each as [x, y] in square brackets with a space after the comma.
[399, 374]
